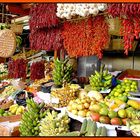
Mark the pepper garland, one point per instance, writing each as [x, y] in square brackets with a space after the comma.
[17, 68]
[130, 20]
[86, 37]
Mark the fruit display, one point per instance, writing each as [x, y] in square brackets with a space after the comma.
[13, 110]
[49, 66]
[122, 90]
[30, 120]
[81, 107]
[62, 72]
[16, 109]
[40, 81]
[101, 80]
[54, 124]
[134, 126]
[7, 92]
[64, 94]
[116, 112]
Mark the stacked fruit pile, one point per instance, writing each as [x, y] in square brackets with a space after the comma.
[62, 72]
[64, 94]
[54, 124]
[116, 112]
[81, 107]
[122, 90]
[30, 121]
[13, 110]
[101, 80]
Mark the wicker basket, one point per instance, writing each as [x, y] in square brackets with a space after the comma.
[17, 29]
[7, 43]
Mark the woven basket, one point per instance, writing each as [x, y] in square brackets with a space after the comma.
[7, 43]
[17, 29]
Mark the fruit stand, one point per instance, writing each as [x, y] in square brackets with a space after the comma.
[41, 93]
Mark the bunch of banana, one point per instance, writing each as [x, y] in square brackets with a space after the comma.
[62, 72]
[54, 124]
[134, 126]
[16, 109]
[101, 80]
[30, 121]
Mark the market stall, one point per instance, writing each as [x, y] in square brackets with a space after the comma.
[54, 81]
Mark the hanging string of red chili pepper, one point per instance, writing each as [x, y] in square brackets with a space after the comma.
[46, 39]
[45, 29]
[37, 70]
[17, 68]
[43, 15]
[130, 19]
[86, 37]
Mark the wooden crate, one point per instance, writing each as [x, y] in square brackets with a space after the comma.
[130, 73]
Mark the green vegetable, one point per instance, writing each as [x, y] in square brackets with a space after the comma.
[103, 131]
[83, 127]
[71, 134]
[98, 132]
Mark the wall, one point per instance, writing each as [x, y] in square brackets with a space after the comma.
[121, 63]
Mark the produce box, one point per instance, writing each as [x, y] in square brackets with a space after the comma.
[130, 74]
[13, 118]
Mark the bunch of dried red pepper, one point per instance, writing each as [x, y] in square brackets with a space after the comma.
[37, 70]
[130, 19]
[86, 37]
[43, 15]
[45, 28]
[17, 68]
[46, 39]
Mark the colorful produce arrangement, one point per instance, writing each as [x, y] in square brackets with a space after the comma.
[122, 90]
[62, 72]
[37, 70]
[101, 80]
[64, 95]
[13, 110]
[7, 92]
[17, 68]
[129, 14]
[82, 107]
[54, 124]
[85, 37]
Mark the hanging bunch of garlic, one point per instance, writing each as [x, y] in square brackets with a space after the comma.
[81, 9]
